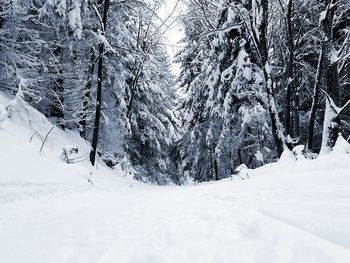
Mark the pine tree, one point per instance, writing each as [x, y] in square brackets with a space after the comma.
[226, 124]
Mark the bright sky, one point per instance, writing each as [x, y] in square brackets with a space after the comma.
[174, 33]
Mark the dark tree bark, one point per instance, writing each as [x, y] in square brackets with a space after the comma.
[58, 89]
[276, 125]
[296, 117]
[315, 103]
[327, 77]
[86, 96]
[289, 69]
[99, 88]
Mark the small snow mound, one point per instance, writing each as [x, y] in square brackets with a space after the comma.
[3, 114]
[287, 155]
[241, 168]
[298, 152]
[259, 156]
[241, 171]
[341, 146]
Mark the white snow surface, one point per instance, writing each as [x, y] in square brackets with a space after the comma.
[290, 211]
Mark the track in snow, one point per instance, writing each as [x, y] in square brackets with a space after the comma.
[263, 219]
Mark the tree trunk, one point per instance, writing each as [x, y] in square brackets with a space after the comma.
[296, 118]
[86, 97]
[276, 125]
[315, 103]
[327, 77]
[289, 69]
[99, 89]
[98, 106]
[57, 110]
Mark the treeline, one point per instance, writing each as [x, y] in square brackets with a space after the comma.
[255, 74]
[257, 78]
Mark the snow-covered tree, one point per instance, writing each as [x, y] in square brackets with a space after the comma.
[226, 122]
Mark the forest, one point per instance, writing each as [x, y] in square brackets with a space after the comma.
[174, 131]
[257, 79]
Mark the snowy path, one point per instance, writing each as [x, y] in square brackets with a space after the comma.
[275, 216]
[291, 211]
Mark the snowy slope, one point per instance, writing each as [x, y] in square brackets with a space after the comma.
[290, 211]
[27, 171]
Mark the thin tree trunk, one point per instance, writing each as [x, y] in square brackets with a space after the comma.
[296, 118]
[57, 110]
[289, 67]
[98, 106]
[327, 77]
[276, 125]
[86, 97]
[315, 103]
[99, 89]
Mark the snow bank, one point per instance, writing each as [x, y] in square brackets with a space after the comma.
[25, 170]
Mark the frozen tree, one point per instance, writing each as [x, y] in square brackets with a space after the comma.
[20, 47]
[150, 103]
[225, 116]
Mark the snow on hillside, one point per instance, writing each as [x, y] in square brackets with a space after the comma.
[27, 171]
[290, 211]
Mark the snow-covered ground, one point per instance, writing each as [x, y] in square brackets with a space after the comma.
[291, 211]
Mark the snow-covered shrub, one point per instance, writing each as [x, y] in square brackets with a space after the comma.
[287, 156]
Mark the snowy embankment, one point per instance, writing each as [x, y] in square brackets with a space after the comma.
[291, 211]
[31, 155]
